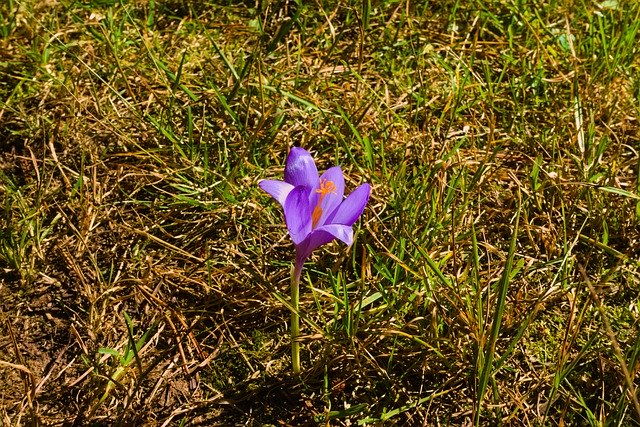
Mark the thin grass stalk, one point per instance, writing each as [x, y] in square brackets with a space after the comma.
[490, 349]
[626, 374]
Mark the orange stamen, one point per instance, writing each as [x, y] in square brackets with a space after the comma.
[326, 187]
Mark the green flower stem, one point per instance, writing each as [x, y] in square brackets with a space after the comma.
[295, 318]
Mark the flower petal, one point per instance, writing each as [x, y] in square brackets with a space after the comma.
[300, 169]
[279, 190]
[328, 196]
[297, 214]
[322, 236]
[352, 207]
[344, 233]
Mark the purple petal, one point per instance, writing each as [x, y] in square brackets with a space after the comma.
[322, 236]
[344, 233]
[297, 214]
[352, 207]
[328, 197]
[279, 190]
[300, 169]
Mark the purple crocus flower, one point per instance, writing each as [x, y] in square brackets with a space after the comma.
[314, 208]
[315, 213]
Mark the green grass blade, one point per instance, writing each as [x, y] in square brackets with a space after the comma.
[489, 351]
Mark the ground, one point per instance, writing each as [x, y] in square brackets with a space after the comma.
[494, 276]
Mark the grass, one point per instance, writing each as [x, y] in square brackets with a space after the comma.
[495, 273]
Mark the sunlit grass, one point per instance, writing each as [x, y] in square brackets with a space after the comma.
[494, 276]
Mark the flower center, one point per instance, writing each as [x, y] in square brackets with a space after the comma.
[326, 187]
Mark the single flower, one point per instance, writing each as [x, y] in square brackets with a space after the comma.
[314, 209]
[315, 213]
